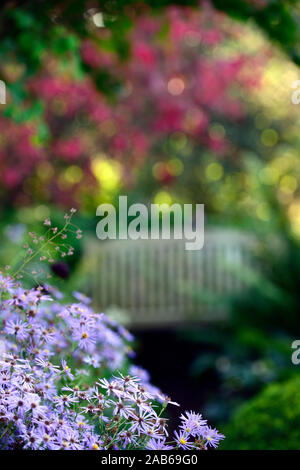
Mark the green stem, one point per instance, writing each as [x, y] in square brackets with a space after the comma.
[27, 260]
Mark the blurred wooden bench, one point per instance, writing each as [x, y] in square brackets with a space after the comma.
[158, 282]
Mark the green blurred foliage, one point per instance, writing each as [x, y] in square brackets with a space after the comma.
[252, 347]
[270, 421]
[15, 227]
[31, 19]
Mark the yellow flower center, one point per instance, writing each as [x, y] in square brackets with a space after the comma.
[95, 446]
[182, 441]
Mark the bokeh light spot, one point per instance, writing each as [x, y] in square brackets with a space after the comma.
[178, 141]
[288, 184]
[45, 171]
[262, 212]
[176, 86]
[175, 166]
[214, 171]
[107, 172]
[41, 212]
[98, 20]
[73, 174]
[269, 175]
[269, 137]
[163, 197]
[294, 216]
[216, 131]
[158, 170]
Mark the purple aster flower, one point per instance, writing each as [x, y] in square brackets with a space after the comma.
[46, 437]
[93, 361]
[128, 438]
[82, 423]
[6, 283]
[81, 297]
[112, 387]
[64, 401]
[126, 334]
[69, 438]
[182, 440]
[137, 400]
[139, 372]
[18, 328]
[121, 409]
[36, 296]
[53, 291]
[142, 422]
[94, 443]
[167, 400]
[48, 335]
[154, 444]
[19, 298]
[17, 402]
[212, 436]
[161, 423]
[192, 423]
[33, 402]
[67, 369]
[31, 439]
[45, 364]
[85, 337]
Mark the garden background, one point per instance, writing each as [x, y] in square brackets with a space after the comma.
[167, 102]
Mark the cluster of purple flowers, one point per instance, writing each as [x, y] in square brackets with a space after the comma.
[35, 323]
[49, 352]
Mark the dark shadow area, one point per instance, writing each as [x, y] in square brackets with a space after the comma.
[168, 358]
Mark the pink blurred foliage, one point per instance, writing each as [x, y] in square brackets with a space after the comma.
[173, 81]
[94, 56]
[69, 149]
[144, 54]
[18, 154]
